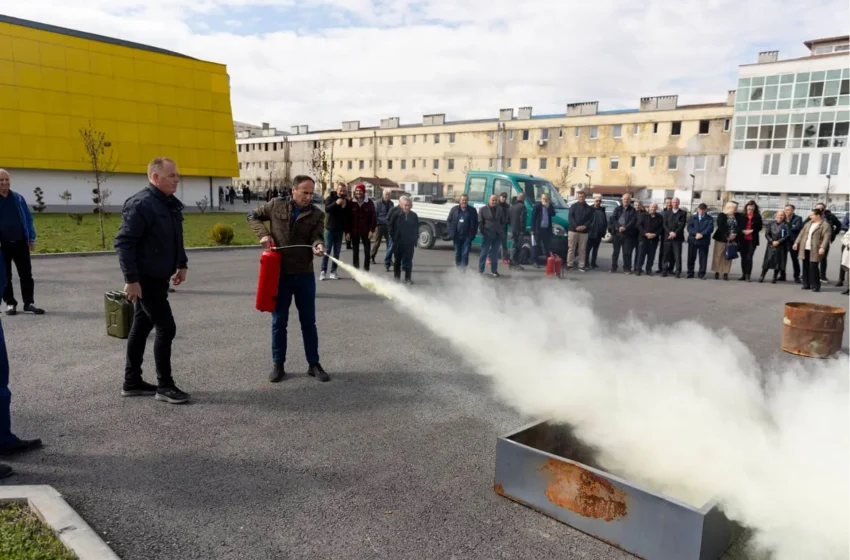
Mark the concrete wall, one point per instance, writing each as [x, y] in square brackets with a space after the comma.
[122, 186]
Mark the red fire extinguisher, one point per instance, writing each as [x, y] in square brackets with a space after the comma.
[268, 280]
[558, 263]
[550, 265]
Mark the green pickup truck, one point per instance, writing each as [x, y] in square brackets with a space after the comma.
[479, 186]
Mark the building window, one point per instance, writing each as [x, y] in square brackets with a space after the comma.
[558, 163]
[403, 140]
[267, 166]
[492, 135]
[413, 137]
[350, 164]
[451, 138]
[490, 163]
[594, 132]
[424, 164]
[704, 126]
[544, 134]
[451, 164]
[635, 129]
[404, 164]
[699, 163]
[436, 139]
[617, 131]
[508, 163]
[560, 132]
[274, 147]
[676, 128]
[413, 161]
[799, 164]
[575, 162]
[829, 163]
[591, 164]
[436, 164]
[652, 162]
[722, 162]
[380, 163]
[510, 135]
[390, 140]
[633, 163]
[770, 164]
[543, 163]
[655, 128]
[726, 125]
[523, 163]
[614, 162]
[362, 164]
[577, 132]
[673, 163]
[525, 135]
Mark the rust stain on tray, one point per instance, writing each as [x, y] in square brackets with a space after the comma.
[500, 490]
[584, 492]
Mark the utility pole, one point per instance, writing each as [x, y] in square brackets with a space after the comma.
[693, 183]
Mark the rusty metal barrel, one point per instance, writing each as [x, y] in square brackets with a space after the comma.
[812, 330]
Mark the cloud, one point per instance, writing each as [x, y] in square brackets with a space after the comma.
[466, 58]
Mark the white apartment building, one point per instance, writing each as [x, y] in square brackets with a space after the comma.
[791, 128]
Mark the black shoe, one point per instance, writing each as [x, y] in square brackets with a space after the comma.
[613, 271]
[726, 277]
[761, 278]
[387, 267]
[846, 292]
[807, 287]
[678, 275]
[318, 372]
[5, 470]
[594, 266]
[690, 275]
[797, 281]
[773, 281]
[408, 281]
[138, 389]
[638, 273]
[31, 308]
[277, 374]
[701, 276]
[11, 310]
[494, 275]
[664, 274]
[824, 280]
[815, 289]
[171, 395]
[839, 284]
[743, 278]
[373, 260]
[20, 446]
[717, 276]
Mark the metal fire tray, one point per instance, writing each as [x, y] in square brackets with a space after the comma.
[544, 466]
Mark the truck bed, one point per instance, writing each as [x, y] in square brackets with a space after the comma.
[433, 212]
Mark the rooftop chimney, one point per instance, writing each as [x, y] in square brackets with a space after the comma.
[351, 125]
[524, 113]
[435, 119]
[584, 108]
[506, 114]
[300, 129]
[730, 97]
[768, 56]
[265, 126]
[391, 122]
[659, 103]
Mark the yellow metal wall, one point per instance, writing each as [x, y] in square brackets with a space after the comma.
[148, 104]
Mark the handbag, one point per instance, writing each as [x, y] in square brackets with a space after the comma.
[731, 251]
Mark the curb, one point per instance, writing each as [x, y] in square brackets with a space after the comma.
[70, 528]
[113, 253]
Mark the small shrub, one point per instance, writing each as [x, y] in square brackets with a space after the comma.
[77, 218]
[222, 234]
[202, 204]
[39, 200]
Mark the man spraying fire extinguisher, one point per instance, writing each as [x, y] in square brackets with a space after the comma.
[294, 222]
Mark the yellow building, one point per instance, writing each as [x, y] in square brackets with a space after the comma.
[147, 102]
[659, 149]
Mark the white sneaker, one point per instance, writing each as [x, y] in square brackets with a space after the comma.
[322, 275]
[333, 276]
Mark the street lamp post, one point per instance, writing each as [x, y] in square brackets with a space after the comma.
[588, 182]
[828, 181]
[693, 183]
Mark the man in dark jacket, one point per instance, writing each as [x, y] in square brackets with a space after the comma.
[363, 223]
[506, 208]
[542, 215]
[700, 228]
[17, 240]
[650, 232]
[382, 210]
[150, 250]
[246, 195]
[518, 218]
[404, 231]
[581, 219]
[461, 228]
[598, 229]
[293, 221]
[491, 223]
[662, 263]
[795, 224]
[675, 222]
[337, 224]
[623, 227]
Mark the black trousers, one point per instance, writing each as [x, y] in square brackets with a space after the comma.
[842, 272]
[695, 251]
[646, 252]
[356, 241]
[592, 250]
[673, 255]
[516, 245]
[662, 243]
[627, 244]
[19, 253]
[505, 254]
[543, 245]
[811, 272]
[822, 264]
[152, 311]
[795, 263]
[403, 252]
[746, 248]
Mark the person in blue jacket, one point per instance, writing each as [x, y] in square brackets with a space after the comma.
[461, 228]
[17, 239]
[9, 442]
[700, 227]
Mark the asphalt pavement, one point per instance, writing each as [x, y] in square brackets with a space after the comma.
[393, 458]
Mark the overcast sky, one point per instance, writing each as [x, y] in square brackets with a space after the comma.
[320, 62]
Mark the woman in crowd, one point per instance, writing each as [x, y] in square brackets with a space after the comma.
[845, 257]
[749, 224]
[778, 237]
[811, 247]
[725, 234]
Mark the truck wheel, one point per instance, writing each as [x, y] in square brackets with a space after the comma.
[426, 237]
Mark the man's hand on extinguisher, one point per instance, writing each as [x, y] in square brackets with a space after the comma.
[266, 241]
[319, 249]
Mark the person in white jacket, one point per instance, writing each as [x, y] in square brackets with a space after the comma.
[845, 257]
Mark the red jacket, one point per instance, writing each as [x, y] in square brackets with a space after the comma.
[363, 218]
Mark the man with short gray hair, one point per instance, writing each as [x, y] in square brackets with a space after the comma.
[17, 239]
[404, 231]
[150, 250]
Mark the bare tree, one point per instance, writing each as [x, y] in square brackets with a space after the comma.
[470, 165]
[630, 184]
[563, 183]
[102, 162]
[319, 165]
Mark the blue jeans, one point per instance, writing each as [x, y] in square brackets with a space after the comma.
[333, 244]
[462, 247]
[301, 287]
[388, 256]
[489, 248]
[6, 435]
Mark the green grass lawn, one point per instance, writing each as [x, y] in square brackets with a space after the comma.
[58, 233]
[24, 537]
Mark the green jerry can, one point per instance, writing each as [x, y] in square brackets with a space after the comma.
[119, 314]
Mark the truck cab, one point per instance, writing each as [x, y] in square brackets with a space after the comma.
[481, 184]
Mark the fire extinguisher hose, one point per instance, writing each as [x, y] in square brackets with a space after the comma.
[290, 247]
